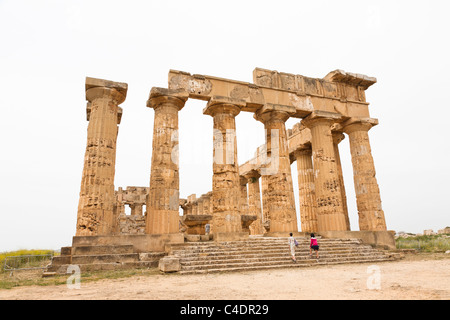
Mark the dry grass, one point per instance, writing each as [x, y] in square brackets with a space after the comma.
[34, 277]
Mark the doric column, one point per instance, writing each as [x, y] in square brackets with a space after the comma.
[163, 198]
[244, 195]
[96, 204]
[265, 200]
[200, 205]
[188, 207]
[330, 210]
[368, 200]
[195, 207]
[306, 190]
[280, 190]
[226, 186]
[254, 202]
[337, 138]
[206, 203]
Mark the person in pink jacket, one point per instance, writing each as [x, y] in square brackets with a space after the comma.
[313, 246]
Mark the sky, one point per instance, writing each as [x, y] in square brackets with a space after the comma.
[48, 48]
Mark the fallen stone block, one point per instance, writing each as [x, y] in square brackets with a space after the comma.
[169, 264]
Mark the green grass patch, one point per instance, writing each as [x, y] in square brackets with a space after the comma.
[25, 258]
[434, 243]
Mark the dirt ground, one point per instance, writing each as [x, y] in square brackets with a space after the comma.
[411, 278]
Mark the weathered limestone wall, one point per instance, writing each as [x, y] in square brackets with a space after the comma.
[132, 224]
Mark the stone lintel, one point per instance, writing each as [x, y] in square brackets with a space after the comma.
[353, 79]
[204, 87]
[197, 218]
[159, 96]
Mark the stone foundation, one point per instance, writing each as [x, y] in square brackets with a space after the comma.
[383, 239]
[141, 242]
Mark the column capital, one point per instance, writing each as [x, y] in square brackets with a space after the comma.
[337, 137]
[161, 96]
[271, 112]
[359, 124]
[321, 117]
[303, 150]
[252, 175]
[219, 104]
[99, 88]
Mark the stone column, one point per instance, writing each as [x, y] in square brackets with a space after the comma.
[163, 198]
[368, 200]
[226, 186]
[96, 204]
[265, 201]
[306, 190]
[337, 138]
[206, 203]
[280, 191]
[136, 209]
[200, 205]
[330, 210]
[188, 207]
[254, 203]
[244, 195]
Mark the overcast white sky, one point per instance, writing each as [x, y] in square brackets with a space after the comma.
[47, 48]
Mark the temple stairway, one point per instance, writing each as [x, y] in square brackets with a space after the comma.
[268, 253]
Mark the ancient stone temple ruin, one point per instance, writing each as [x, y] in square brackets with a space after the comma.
[255, 198]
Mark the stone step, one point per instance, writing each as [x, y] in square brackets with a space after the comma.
[66, 251]
[217, 250]
[59, 260]
[285, 261]
[105, 258]
[265, 267]
[102, 249]
[256, 244]
[151, 256]
[251, 260]
[62, 269]
[263, 252]
[261, 242]
[267, 253]
[271, 255]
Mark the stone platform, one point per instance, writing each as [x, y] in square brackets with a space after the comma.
[92, 253]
